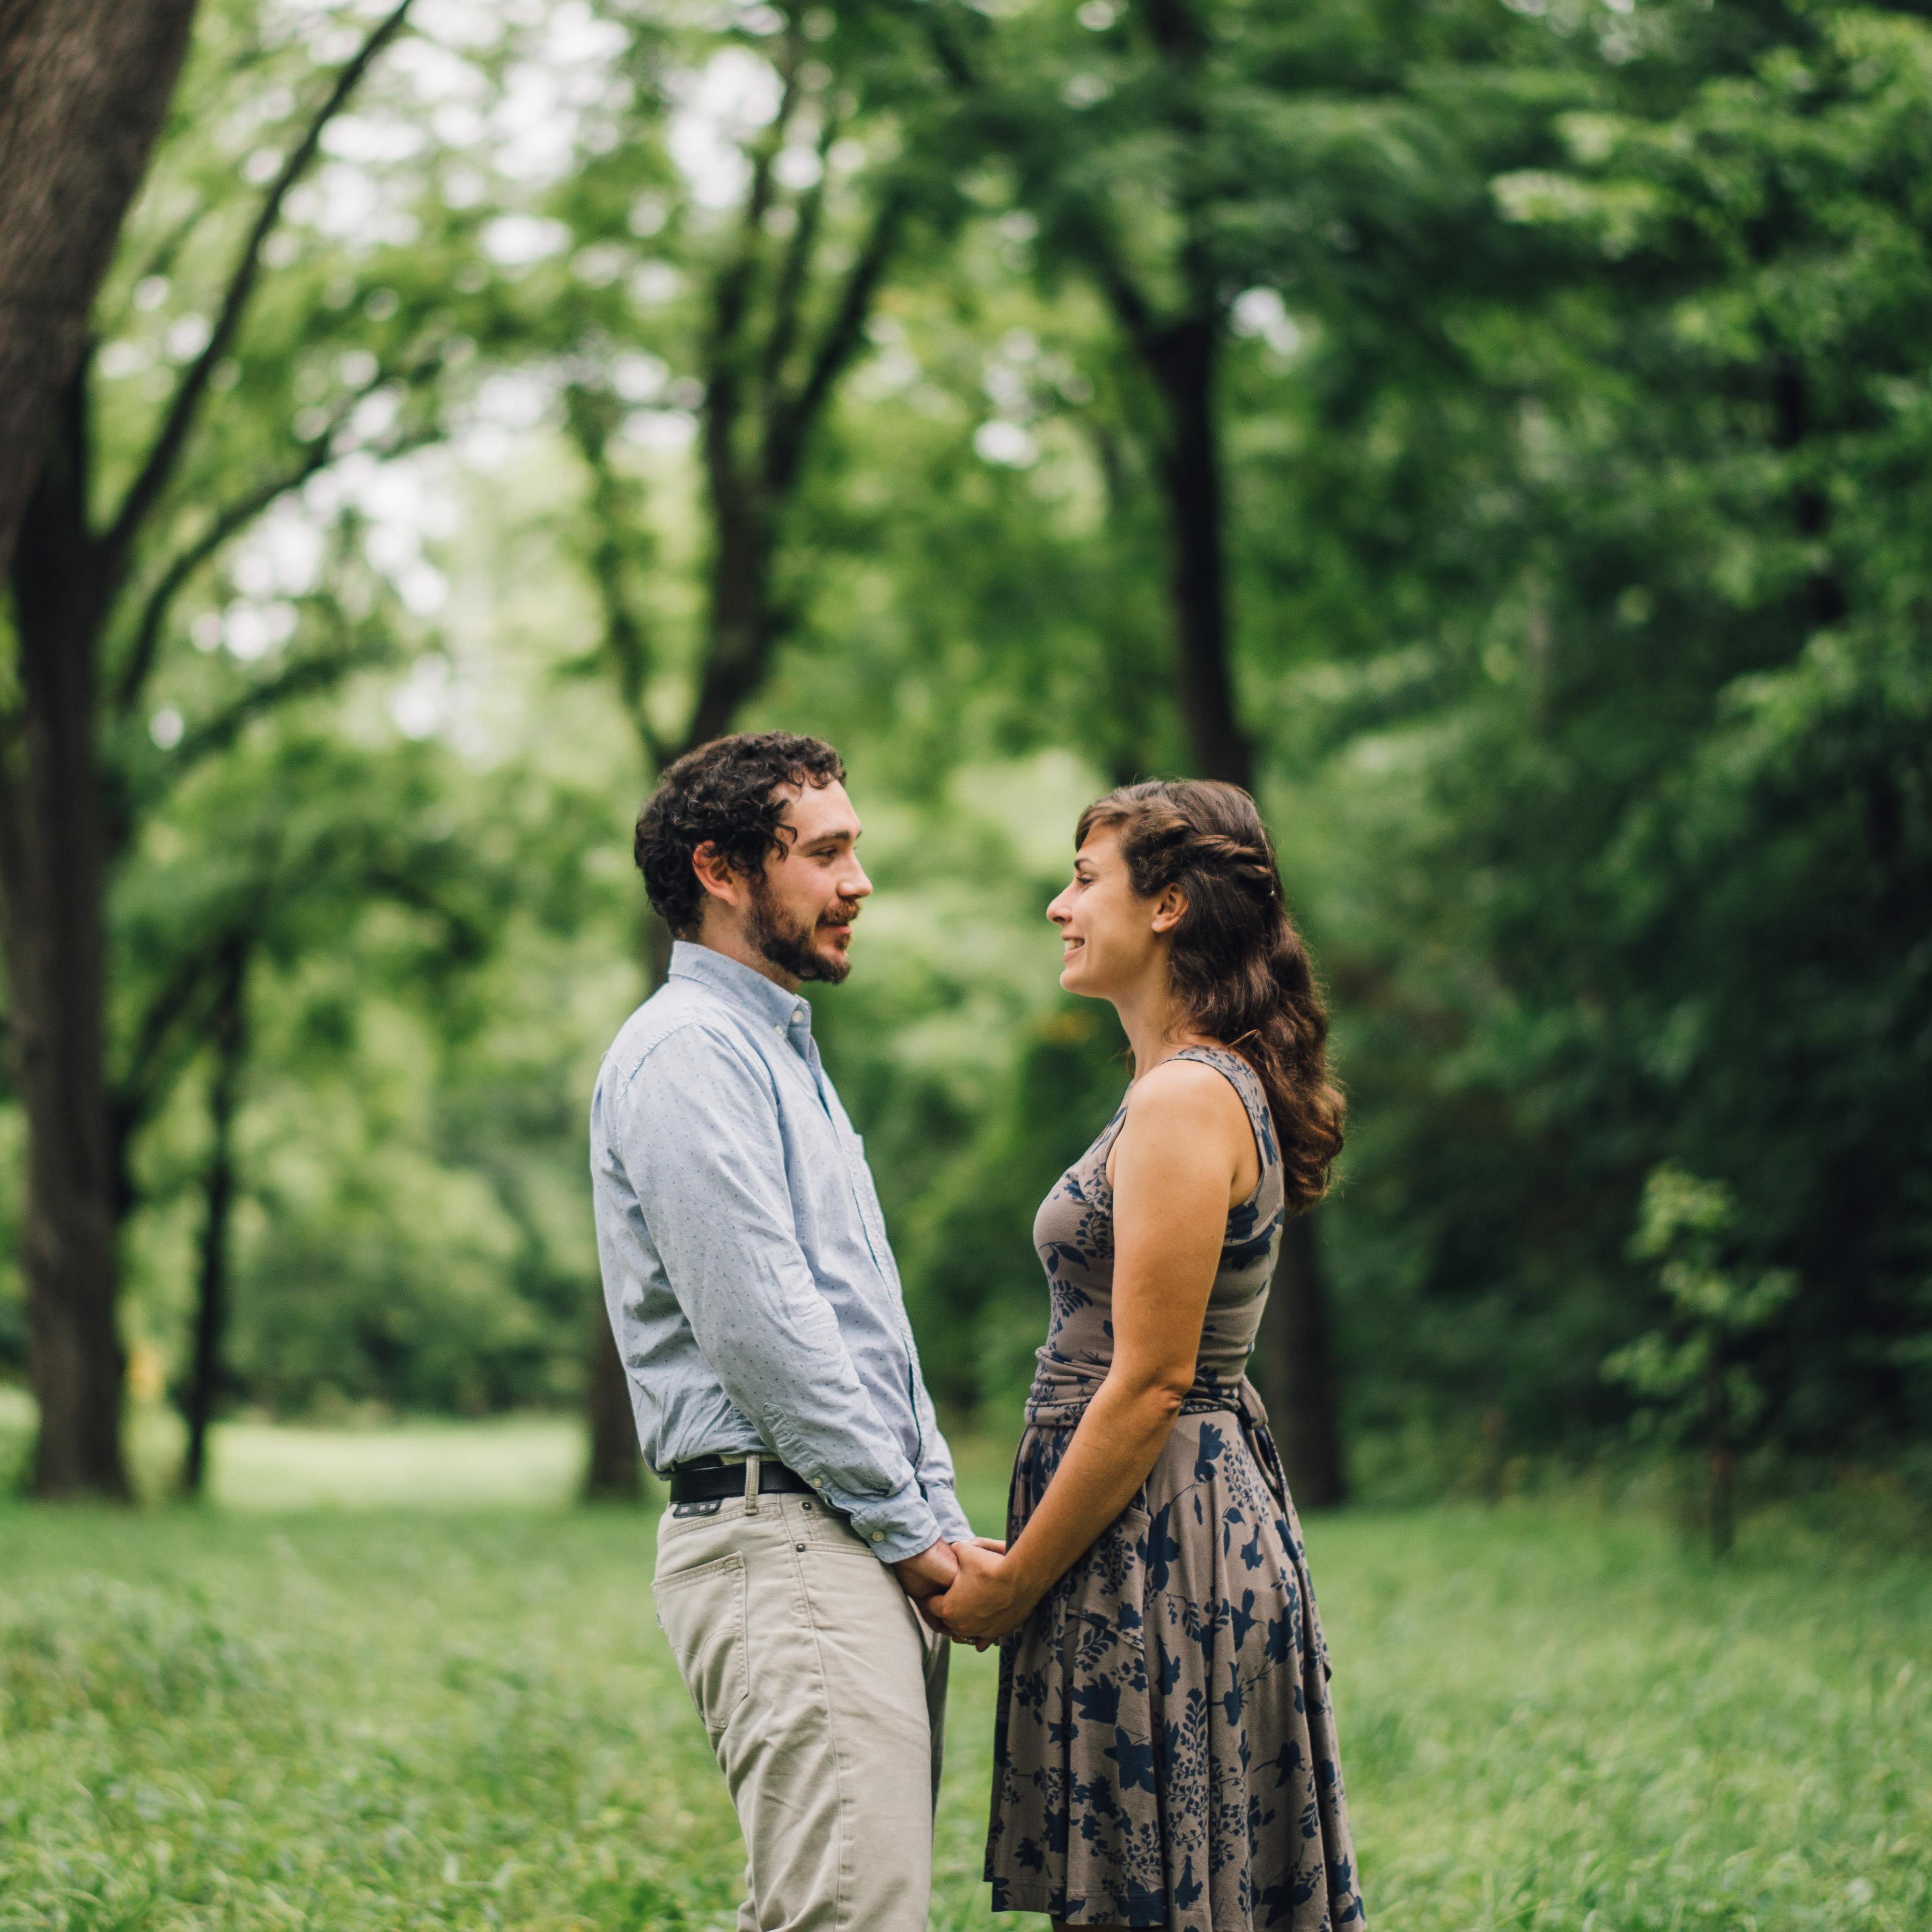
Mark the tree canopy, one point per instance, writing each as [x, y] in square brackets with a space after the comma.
[1500, 433]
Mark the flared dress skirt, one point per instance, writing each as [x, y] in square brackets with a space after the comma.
[1165, 1751]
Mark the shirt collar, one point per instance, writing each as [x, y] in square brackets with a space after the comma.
[736, 981]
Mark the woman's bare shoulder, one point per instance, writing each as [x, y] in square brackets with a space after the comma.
[1186, 1096]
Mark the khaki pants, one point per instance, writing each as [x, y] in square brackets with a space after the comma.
[825, 1698]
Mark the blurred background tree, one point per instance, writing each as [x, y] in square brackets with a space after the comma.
[1498, 433]
[1695, 1377]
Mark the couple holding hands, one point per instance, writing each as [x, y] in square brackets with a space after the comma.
[1165, 1747]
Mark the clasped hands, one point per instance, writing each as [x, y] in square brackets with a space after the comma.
[965, 1590]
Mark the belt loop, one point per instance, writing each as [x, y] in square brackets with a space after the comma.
[751, 1484]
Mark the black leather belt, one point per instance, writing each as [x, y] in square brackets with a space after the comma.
[708, 1480]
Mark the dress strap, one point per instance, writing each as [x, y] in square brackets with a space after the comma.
[1247, 1082]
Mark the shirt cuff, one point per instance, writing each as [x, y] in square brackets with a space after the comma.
[902, 1525]
[951, 1518]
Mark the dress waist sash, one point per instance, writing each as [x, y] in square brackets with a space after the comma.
[1061, 1390]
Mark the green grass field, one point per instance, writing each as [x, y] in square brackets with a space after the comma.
[447, 1711]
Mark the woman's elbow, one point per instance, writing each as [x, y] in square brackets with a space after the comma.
[1158, 1394]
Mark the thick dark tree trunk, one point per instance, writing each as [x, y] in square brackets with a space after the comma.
[1197, 575]
[208, 1375]
[615, 1471]
[52, 879]
[1301, 1355]
[83, 86]
[741, 627]
[1296, 1355]
[766, 388]
[743, 623]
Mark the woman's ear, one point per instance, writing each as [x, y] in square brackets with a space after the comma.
[1170, 909]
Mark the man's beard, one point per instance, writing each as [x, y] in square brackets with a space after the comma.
[786, 943]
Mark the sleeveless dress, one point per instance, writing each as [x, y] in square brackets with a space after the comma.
[1165, 1753]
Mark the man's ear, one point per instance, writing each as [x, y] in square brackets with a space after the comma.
[1170, 909]
[715, 875]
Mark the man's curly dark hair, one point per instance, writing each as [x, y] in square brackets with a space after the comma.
[725, 793]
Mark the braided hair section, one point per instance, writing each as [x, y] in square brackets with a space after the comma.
[1240, 973]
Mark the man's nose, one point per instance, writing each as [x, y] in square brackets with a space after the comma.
[855, 885]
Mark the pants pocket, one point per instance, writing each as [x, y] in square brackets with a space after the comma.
[703, 1612]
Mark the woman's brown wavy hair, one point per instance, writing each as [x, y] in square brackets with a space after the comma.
[1238, 967]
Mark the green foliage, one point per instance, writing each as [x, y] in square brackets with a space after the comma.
[16, 1438]
[1574, 415]
[970, 1241]
[1696, 1379]
[1615, 788]
[1699, 1397]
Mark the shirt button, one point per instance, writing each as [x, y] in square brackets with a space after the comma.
[878, 1536]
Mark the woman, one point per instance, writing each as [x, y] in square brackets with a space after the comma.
[1166, 1752]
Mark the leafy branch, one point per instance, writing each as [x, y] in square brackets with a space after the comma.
[790, 419]
[152, 478]
[318, 671]
[232, 518]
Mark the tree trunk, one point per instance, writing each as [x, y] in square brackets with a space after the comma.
[615, 1471]
[743, 625]
[1296, 1351]
[1301, 1353]
[52, 880]
[746, 490]
[738, 649]
[1197, 560]
[83, 87]
[208, 1377]
[1722, 1509]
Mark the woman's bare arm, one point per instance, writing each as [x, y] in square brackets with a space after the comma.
[1185, 1144]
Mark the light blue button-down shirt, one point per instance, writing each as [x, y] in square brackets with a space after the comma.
[750, 1285]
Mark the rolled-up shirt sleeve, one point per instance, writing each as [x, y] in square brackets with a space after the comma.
[696, 1128]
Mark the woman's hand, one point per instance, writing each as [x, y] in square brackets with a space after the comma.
[987, 1599]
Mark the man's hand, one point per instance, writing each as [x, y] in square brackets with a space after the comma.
[926, 1575]
[988, 1600]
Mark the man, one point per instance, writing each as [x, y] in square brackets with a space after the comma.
[758, 1314]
